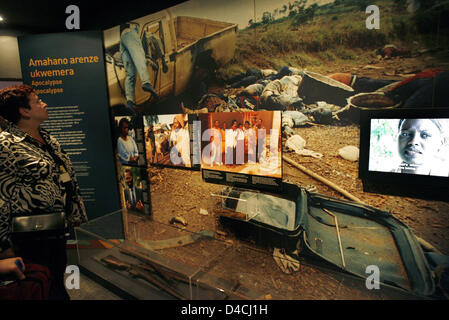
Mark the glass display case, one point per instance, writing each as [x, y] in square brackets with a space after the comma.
[174, 264]
[139, 257]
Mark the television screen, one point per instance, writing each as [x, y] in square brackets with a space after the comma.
[417, 146]
[409, 145]
[405, 152]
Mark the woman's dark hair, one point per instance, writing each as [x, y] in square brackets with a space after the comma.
[12, 99]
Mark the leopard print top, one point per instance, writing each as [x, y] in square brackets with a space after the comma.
[30, 180]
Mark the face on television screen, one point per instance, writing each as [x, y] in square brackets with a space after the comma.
[412, 146]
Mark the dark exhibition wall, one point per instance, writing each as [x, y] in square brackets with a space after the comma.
[303, 131]
[31, 17]
[50, 16]
[73, 85]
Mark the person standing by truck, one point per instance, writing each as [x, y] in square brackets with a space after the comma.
[133, 56]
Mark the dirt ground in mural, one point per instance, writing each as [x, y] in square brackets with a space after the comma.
[177, 192]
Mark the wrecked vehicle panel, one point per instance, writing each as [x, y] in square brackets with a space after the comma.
[186, 43]
[353, 237]
[346, 234]
[265, 218]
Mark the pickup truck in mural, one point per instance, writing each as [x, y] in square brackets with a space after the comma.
[348, 235]
[185, 43]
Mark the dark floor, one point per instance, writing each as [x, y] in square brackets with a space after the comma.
[89, 289]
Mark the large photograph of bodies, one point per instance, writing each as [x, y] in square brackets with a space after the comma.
[212, 56]
[242, 142]
[412, 146]
[167, 139]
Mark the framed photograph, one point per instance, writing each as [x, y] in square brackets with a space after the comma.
[135, 190]
[167, 140]
[413, 146]
[129, 140]
[244, 145]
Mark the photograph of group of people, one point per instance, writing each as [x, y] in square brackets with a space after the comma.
[167, 139]
[411, 146]
[243, 142]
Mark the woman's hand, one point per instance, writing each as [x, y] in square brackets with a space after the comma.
[8, 266]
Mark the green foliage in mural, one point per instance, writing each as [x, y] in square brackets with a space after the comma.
[383, 140]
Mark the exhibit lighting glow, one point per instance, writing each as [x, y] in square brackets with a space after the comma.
[1, 19]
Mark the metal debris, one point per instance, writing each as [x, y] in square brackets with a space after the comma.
[178, 219]
[285, 262]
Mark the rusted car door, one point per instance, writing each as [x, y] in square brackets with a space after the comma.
[354, 237]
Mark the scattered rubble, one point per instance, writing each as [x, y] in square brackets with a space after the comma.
[178, 219]
[350, 153]
[297, 144]
[286, 263]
